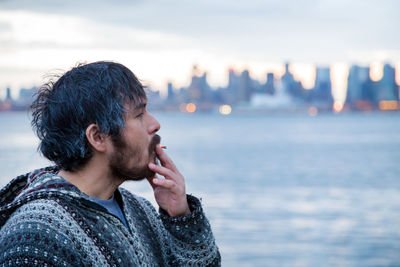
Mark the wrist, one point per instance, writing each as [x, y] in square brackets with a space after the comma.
[184, 211]
[196, 213]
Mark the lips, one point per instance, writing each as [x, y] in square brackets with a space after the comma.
[155, 140]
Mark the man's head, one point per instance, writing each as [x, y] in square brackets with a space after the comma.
[103, 98]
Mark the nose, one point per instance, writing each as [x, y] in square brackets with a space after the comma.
[154, 125]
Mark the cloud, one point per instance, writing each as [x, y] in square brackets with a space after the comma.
[214, 34]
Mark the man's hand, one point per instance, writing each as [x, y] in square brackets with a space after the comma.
[170, 193]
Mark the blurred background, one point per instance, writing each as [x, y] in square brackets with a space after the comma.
[282, 115]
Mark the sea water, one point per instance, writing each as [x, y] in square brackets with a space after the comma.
[279, 190]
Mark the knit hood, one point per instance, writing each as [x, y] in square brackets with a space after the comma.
[40, 184]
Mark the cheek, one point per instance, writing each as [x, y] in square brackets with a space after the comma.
[138, 154]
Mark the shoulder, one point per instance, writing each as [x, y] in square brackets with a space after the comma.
[37, 232]
[35, 220]
[37, 211]
[46, 231]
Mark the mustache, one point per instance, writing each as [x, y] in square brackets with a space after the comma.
[154, 142]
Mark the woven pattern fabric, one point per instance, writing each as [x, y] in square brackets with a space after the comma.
[47, 221]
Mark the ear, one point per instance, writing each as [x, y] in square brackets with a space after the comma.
[95, 138]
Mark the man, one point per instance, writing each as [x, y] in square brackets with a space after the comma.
[93, 124]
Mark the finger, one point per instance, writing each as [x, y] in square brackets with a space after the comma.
[168, 184]
[165, 159]
[167, 173]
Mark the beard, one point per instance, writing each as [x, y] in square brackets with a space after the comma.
[123, 155]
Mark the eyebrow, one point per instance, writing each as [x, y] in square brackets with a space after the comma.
[141, 105]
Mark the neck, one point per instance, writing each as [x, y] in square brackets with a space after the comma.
[94, 179]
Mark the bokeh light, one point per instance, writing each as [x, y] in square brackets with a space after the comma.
[225, 109]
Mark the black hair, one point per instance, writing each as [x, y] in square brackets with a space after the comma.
[88, 93]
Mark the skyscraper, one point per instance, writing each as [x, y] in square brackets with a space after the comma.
[233, 82]
[360, 93]
[387, 87]
[170, 96]
[245, 87]
[323, 87]
[269, 86]
[289, 85]
[198, 90]
[8, 94]
[288, 82]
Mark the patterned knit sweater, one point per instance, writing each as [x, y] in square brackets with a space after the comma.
[47, 221]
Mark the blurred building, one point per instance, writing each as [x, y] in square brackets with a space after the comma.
[170, 92]
[322, 92]
[289, 85]
[269, 86]
[23, 101]
[388, 89]
[26, 96]
[245, 87]
[287, 81]
[360, 89]
[198, 90]
[7, 103]
[155, 102]
[231, 92]
[323, 85]
[8, 94]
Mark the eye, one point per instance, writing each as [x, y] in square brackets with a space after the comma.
[140, 112]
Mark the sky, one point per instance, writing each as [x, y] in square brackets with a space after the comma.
[160, 41]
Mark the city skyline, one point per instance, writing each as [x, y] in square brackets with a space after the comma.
[338, 75]
[243, 93]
